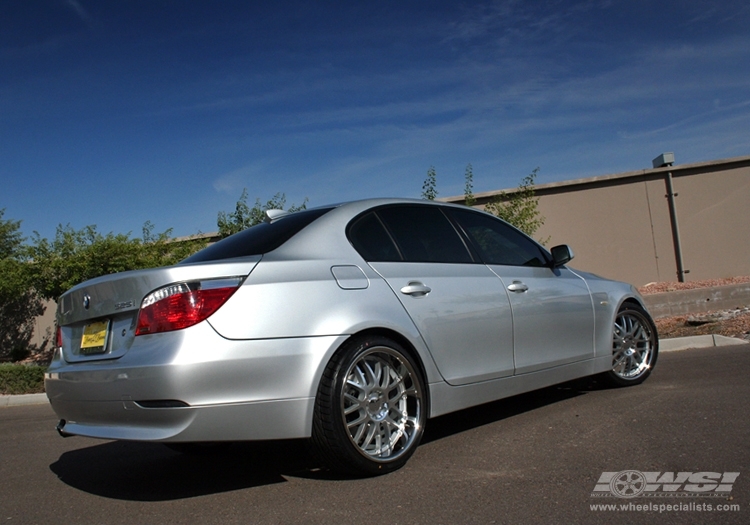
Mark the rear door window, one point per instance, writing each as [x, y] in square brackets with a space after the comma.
[409, 233]
[373, 242]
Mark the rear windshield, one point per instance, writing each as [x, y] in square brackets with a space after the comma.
[259, 239]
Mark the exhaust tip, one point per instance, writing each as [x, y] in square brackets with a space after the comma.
[60, 426]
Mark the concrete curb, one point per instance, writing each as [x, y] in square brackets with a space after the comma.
[23, 400]
[665, 345]
[698, 341]
[698, 300]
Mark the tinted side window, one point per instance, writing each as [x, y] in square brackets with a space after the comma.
[259, 239]
[424, 234]
[369, 237]
[497, 242]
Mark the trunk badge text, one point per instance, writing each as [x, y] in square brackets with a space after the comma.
[124, 304]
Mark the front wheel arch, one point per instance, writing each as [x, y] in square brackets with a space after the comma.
[635, 346]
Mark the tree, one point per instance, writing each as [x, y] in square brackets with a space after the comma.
[162, 249]
[520, 208]
[20, 304]
[244, 217]
[429, 187]
[74, 256]
[469, 199]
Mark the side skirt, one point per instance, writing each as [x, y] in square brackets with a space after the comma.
[445, 398]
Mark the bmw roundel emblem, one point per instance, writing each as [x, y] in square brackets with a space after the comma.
[86, 301]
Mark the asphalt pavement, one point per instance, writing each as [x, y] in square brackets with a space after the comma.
[534, 458]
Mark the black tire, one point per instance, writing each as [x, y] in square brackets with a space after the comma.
[370, 410]
[635, 346]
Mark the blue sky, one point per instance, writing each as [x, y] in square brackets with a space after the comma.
[115, 113]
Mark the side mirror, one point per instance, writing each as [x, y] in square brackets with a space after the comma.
[561, 255]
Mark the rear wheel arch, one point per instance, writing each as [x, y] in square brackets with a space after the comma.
[401, 340]
[398, 338]
[333, 433]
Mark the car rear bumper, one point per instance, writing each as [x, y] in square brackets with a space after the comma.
[193, 385]
[284, 419]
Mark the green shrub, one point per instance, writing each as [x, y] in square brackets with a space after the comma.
[21, 379]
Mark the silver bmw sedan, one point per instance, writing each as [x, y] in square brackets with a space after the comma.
[350, 325]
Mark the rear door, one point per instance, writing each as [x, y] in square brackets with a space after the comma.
[458, 304]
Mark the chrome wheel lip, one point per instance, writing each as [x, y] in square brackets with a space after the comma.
[381, 404]
[633, 345]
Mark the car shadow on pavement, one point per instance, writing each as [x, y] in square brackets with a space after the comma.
[463, 420]
[152, 472]
[136, 471]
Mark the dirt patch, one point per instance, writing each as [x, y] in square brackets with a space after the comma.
[652, 288]
[685, 325]
[730, 323]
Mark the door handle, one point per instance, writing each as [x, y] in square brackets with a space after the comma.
[416, 289]
[518, 287]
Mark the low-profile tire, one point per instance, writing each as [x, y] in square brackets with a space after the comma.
[635, 346]
[370, 409]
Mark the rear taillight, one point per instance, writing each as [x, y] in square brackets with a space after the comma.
[58, 337]
[181, 305]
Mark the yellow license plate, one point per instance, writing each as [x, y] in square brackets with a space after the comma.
[94, 339]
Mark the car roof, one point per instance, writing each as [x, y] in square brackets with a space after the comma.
[325, 237]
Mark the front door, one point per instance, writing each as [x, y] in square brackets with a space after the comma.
[553, 314]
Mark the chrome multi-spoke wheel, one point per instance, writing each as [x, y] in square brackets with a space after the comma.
[635, 346]
[381, 405]
[370, 409]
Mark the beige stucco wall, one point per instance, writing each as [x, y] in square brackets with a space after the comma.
[44, 326]
[714, 217]
[619, 226]
[614, 231]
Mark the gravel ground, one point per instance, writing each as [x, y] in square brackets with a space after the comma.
[730, 323]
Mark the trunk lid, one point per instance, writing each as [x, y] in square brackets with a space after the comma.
[106, 308]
